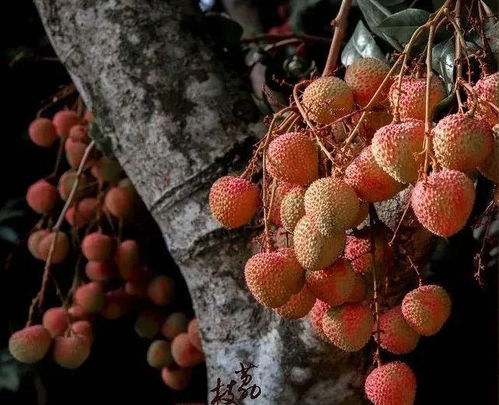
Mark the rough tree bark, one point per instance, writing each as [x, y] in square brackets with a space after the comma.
[177, 117]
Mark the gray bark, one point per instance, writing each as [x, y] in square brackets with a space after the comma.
[178, 119]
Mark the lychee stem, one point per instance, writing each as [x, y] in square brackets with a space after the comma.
[372, 223]
[428, 113]
[340, 24]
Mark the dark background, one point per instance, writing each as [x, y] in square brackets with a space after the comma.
[457, 366]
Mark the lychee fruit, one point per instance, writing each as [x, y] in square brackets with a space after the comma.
[296, 272]
[100, 270]
[66, 182]
[97, 246]
[292, 208]
[61, 247]
[79, 133]
[148, 323]
[30, 344]
[364, 76]
[373, 120]
[315, 318]
[42, 132]
[194, 334]
[333, 204]
[119, 202]
[56, 321]
[487, 89]
[34, 240]
[184, 352]
[127, 258]
[392, 383]
[159, 354]
[443, 202]
[83, 328]
[63, 121]
[327, 99]
[359, 290]
[82, 212]
[358, 251]
[413, 94]
[461, 142]
[281, 190]
[90, 297]
[174, 324]
[42, 197]
[313, 250]
[75, 151]
[490, 166]
[370, 182]
[176, 378]
[160, 290]
[395, 334]
[363, 213]
[298, 306]
[233, 201]
[426, 309]
[106, 170]
[71, 351]
[116, 304]
[332, 284]
[348, 326]
[397, 149]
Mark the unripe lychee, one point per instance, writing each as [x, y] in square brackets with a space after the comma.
[271, 278]
[194, 335]
[116, 304]
[332, 284]
[370, 182]
[79, 133]
[293, 158]
[90, 297]
[106, 170]
[61, 247]
[176, 378]
[281, 190]
[41, 196]
[71, 351]
[127, 258]
[443, 202]
[490, 166]
[97, 246]
[159, 354]
[313, 250]
[364, 76]
[55, 320]
[233, 201]
[63, 121]
[397, 149]
[160, 290]
[174, 324]
[359, 290]
[395, 334]
[75, 150]
[333, 204]
[298, 306]
[82, 212]
[348, 326]
[461, 142]
[148, 323]
[30, 344]
[487, 90]
[426, 309]
[119, 202]
[327, 99]
[392, 383]
[42, 132]
[412, 96]
[315, 318]
[184, 352]
[292, 208]
[34, 242]
[83, 328]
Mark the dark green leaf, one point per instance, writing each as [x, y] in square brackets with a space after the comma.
[224, 29]
[492, 35]
[443, 56]
[304, 12]
[8, 234]
[360, 45]
[102, 142]
[402, 25]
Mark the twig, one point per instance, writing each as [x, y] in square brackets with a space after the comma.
[270, 38]
[372, 224]
[428, 113]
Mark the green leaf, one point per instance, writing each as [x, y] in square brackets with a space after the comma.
[102, 142]
[224, 29]
[8, 234]
[402, 25]
[360, 45]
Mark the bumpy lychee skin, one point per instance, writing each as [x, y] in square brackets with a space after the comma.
[443, 202]
[63, 121]
[71, 351]
[397, 149]
[42, 132]
[412, 96]
[233, 201]
[90, 297]
[490, 166]
[395, 334]
[34, 242]
[364, 77]
[358, 251]
[56, 321]
[82, 212]
[119, 202]
[61, 247]
[30, 344]
[83, 328]
[362, 214]
[391, 384]
[374, 120]
[176, 378]
[315, 318]
[298, 306]
[174, 324]
[348, 326]
[370, 182]
[271, 278]
[293, 158]
[184, 352]
[327, 99]
[79, 133]
[97, 246]
[292, 208]
[332, 284]
[488, 91]
[426, 309]
[313, 250]
[296, 272]
[159, 354]
[42, 197]
[461, 142]
[194, 334]
[359, 290]
[333, 204]
[281, 190]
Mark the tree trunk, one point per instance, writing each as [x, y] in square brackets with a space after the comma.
[179, 118]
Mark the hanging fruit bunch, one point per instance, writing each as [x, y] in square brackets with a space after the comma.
[87, 222]
[328, 162]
